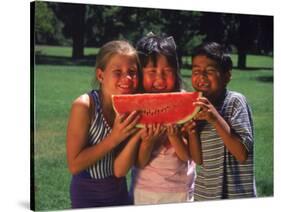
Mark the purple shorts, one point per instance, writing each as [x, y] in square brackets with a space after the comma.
[86, 192]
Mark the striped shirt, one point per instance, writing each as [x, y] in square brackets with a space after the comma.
[99, 129]
[221, 175]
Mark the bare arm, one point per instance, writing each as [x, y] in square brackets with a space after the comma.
[194, 143]
[148, 139]
[79, 155]
[232, 141]
[127, 157]
[176, 140]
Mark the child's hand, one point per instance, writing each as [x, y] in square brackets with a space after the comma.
[124, 126]
[151, 132]
[189, 128]
[172, 131]
[208, 111]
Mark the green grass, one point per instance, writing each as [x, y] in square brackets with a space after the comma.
[57, 86]
[64, 51]
[252, 61]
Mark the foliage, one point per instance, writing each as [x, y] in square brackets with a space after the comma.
[92, 25]
[47, 27]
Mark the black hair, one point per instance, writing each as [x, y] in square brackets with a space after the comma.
[215, 52]
[150, 46]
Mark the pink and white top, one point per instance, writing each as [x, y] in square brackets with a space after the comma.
[165, 172]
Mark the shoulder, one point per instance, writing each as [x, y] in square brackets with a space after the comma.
[82, 101]
[237, 103]
[235, 94]
[84, 104]
[236, 98]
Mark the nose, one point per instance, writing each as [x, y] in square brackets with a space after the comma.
[203, 74]
[127, 76]
[159, 80]
[160, 76]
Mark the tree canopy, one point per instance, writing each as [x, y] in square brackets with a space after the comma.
[82, 25]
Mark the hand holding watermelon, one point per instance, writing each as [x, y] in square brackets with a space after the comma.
[172, 131]
[189, 127]
[208, 112]
[152, 132]
[124, 126]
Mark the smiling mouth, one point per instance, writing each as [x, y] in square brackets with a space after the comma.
[159, 88]
[203, 85]
[124, 86]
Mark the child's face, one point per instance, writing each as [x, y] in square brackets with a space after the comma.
[119, 76]
[207, 78]
[159, 77]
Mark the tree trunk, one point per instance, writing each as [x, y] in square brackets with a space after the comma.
[242, 60]
[246, 37]
[78, 31]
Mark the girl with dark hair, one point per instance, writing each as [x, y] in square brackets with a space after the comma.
[164, 172]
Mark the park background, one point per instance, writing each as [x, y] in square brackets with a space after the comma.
[67, 37]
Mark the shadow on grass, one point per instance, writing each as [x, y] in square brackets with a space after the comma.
[268, 79]
[60, 60]
[255, 68]
[90, 60]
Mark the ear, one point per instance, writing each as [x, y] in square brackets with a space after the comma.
[99, 75]
[227, 77]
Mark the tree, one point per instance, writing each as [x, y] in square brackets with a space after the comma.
[265, 35]
[211, 24]
[73, 17]
[44, 22]
[247, 31]
[184, 27]
[78, 30]
[242, 31]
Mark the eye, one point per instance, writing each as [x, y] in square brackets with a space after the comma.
[211, 70]
[132, 73]
[169, 70]
[195, 71]
[150, 71]
[117, 73]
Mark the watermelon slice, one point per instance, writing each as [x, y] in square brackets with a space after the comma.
[164, 108]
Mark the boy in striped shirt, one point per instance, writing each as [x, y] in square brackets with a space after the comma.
[220, 137]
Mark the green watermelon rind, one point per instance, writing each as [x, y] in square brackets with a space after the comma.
[182, 121]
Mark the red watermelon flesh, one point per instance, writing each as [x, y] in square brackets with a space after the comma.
[164, 108]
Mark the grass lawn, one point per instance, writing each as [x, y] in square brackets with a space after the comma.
[57, 86]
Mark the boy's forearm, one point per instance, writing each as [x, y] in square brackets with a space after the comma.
[231, 141]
